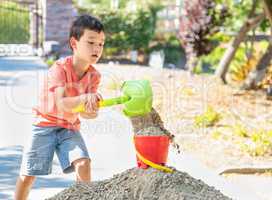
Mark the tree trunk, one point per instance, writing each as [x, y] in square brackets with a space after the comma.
[258, 74]
[191, 59]
[223, 67]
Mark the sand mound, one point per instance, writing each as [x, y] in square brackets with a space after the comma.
[149, 184]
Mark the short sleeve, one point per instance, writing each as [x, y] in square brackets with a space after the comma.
[56, 77]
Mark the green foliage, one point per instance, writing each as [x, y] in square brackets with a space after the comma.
[209, 118]
[100, 4]
[172, 50]
[141, 29]
[254, 142]
[212, 60]
[220, 37]
[50, 61]
[238, 12]
[216, 135]
[240, 130]
[260, 143]
[240, 57]
[240, 69]
[16, 26]
[264, 25]
[187, 91]
[123, 4]
[127, 31]
[171, 47]
[117, 30]
[257, 142]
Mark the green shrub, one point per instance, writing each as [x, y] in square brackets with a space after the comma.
[211, 61]
[171, 47]
[127, 31]
[16, 26]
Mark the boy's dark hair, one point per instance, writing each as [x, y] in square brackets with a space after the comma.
[83, 22]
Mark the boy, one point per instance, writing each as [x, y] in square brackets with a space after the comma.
[70, 82]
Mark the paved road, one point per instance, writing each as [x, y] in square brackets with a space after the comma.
[109, 139]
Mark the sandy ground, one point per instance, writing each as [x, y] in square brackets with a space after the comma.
[111, 130]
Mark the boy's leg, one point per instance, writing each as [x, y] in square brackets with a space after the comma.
[73, 154]
[37, 159]
[83, 170]
[23, 186]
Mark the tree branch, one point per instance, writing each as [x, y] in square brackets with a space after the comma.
[223, 67]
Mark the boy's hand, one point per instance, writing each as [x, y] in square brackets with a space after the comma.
[86, 115]
[92, 102]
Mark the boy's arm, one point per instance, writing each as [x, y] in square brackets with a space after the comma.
[68, 103]
[94, 88]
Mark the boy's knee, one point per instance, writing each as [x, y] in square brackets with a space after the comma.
[82, 163]
[27, 179]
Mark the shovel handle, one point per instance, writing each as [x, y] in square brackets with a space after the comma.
[154, 165]
[114, 101]
[104, 103]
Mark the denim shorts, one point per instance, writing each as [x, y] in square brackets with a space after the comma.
[38, 155]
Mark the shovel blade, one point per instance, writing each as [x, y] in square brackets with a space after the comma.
[141, 97]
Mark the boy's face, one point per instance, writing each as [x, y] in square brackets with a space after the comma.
[89, 47]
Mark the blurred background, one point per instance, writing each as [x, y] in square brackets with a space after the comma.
[180, 34]
[209, 62]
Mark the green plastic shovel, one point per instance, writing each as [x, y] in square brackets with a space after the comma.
[136, 96]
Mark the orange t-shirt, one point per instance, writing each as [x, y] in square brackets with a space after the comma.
[62, 74]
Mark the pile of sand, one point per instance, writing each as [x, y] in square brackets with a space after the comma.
[143, 184]
[149, 184]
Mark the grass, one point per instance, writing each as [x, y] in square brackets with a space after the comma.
[260, 143]
[209, 118]
[216, 135]
[255, 143]
[187, 91]
[240, 130]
